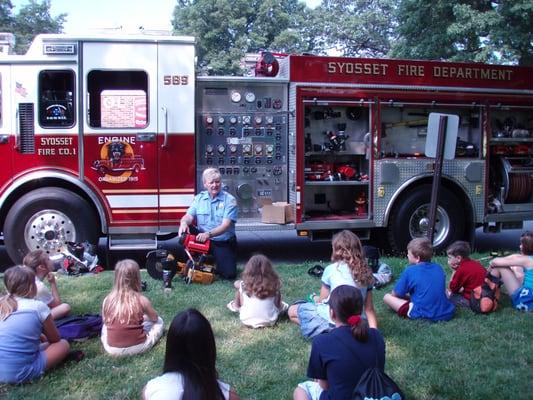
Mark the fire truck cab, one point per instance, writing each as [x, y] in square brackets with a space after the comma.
[97, 138]
[108, 136]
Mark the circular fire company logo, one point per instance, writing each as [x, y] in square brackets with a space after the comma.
[118, 163]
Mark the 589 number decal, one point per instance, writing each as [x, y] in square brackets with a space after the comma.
[175, 80]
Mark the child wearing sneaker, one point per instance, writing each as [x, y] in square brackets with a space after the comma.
[519, 284]
[257, 295]
[467, 273]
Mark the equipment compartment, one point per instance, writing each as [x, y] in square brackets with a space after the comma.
[336, 167]
[511, 159]
[404, 128]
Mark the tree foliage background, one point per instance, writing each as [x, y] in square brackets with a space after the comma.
[457, 30]
[494, 31]
[32, 19]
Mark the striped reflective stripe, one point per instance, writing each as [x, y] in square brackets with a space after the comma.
[149, 200]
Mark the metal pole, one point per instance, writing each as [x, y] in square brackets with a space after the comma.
[437, 173]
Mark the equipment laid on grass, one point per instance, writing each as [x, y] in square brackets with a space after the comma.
[76, 258]
[199, 268]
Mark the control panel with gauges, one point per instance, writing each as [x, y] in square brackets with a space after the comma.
[241, 129]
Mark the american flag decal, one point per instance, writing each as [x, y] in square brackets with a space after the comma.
[20, 89]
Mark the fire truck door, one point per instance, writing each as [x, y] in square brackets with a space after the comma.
[176, 143]
[120, 131]
[7, 135]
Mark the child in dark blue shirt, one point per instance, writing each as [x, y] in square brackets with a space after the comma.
[340, 357]
[421, 289]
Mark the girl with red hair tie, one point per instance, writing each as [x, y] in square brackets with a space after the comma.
[339, 357]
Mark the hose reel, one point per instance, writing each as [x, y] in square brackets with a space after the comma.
[517, 179]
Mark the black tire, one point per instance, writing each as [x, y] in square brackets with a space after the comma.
[407, 215]
[45, 219]
[154, 266]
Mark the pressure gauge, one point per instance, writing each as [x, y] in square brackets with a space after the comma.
[235, 96]
[233, 148]
[209, 120]
[258, 120]
[250, 97]
[232, 120]
[221, 120]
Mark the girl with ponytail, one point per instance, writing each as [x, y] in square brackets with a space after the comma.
[340, 357]
[23, 321]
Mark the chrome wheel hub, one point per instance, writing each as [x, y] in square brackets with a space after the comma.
[419, 224]
[49, 230]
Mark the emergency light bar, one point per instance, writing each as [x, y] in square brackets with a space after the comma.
[53, 49]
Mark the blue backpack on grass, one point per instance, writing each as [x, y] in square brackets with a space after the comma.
[79, 327]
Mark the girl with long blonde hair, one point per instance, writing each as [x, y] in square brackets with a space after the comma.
[23, 320]
[257, 294]
[349, 267]
[131, 325]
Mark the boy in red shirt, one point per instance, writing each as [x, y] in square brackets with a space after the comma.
[467, 273]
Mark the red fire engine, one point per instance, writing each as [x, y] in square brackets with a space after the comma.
[108, 135]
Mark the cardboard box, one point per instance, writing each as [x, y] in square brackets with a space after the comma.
[279, 212]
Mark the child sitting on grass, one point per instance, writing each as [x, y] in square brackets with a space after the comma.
[189, 370]
[340, 357]
[43, 267]
[349, 268]
[131, 325]
[420, 290]
[257, 295]
[467, 273]
[23, 322]
[519, 284]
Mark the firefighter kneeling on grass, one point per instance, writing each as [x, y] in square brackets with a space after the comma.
[215, 211]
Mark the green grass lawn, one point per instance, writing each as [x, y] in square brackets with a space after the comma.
[470, 357]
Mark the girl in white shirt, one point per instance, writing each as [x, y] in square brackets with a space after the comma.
[257, 296]
[189, 371]
[40, 263]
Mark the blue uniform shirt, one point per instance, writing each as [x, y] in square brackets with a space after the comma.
[209, 213]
